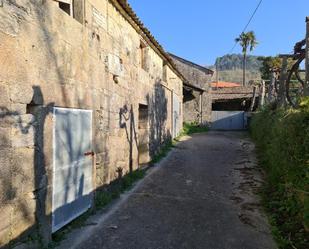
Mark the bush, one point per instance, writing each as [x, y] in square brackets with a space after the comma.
[282, 138]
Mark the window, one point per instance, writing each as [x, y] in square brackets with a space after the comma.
[66, 7]
[143, 55]
[164, 73]
[74, 8]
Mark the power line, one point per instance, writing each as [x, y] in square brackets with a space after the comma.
[253, 14]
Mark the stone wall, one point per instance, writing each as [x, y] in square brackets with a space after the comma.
[50, 59]
[200, 77]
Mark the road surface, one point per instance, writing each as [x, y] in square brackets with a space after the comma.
[203, 195]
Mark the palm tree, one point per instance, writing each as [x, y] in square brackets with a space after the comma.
[246, 40]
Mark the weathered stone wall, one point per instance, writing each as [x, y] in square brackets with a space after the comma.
[50, 59]
[200, 77]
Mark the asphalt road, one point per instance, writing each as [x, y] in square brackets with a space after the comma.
[203, 195]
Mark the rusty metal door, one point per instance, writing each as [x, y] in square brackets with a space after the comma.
[72, 169]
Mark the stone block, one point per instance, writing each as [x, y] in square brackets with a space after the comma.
[23, 170]
[22, 136]
[5, 136]
[23, 217]
[4, 96]
[7, 193]
[5, 224]
[21, 93]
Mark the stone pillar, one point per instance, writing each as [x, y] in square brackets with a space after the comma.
[253, 99]
[262, 94]
[272, 87]
[306, 90]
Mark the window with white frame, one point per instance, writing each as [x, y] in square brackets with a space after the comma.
[74, 8]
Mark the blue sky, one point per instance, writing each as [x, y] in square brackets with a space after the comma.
[201, 30]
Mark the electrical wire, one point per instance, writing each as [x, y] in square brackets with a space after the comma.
[253, 14]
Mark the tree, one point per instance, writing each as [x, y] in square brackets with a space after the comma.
[269, 64]
[246, 40]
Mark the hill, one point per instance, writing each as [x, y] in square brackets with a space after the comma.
[230, 68]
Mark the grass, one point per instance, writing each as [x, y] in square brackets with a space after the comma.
[191, 128]
[188, 129]
[282, 138]
[111, 192]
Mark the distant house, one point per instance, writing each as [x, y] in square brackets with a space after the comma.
[228, 96]
[230, 104]
[196, 91]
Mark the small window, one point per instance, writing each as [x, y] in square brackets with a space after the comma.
[143, 55]
[66, 6]
[74, 8]
[164, 73]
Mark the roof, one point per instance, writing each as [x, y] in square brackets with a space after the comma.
[204, 69]
[222, 84]
[126, 10]
[241, 92]
[189, 86]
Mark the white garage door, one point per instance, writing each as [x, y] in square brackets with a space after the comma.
[228, 120]
[72, 171]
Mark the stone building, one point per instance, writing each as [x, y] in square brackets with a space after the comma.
[197, 97]
[86, 92]
[230, 97]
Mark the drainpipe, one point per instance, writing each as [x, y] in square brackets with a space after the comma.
[201, 108]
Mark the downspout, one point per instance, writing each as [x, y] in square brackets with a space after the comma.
[201, 108]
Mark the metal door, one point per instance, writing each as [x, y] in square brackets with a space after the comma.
[176, 116]
[72, 170]
[228, 120]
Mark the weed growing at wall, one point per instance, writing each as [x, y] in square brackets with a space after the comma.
[109, 193]
[188, 129]
[191, 128]
[102, 199]
[282, 138]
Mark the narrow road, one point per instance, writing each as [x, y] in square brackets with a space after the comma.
[202, 196]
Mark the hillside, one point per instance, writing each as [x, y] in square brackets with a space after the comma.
[230, 68]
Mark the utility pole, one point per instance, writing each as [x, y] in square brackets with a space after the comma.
[217, 74]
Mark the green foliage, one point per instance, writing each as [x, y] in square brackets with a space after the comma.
[247, 40]
[188, 128]
[270, 63]
[191, 128]
[102, 198]
[113, 191]
[163, 152]
[282, 137]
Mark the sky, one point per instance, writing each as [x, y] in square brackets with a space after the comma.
[202, 30]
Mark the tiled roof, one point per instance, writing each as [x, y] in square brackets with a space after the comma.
[124, 6]
[222, 84]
